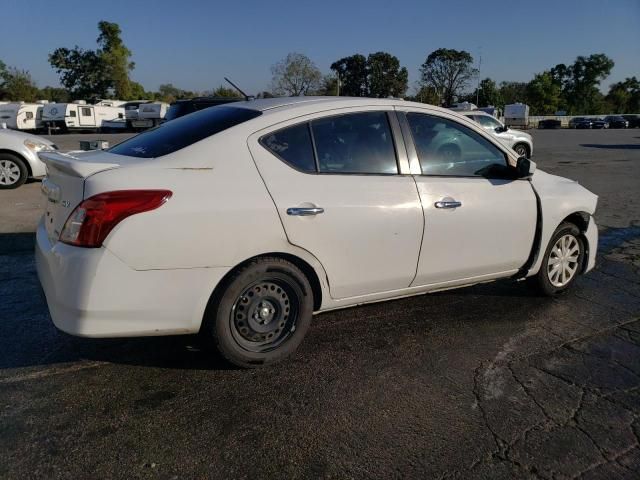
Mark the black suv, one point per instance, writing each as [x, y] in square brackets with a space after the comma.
[180, 108]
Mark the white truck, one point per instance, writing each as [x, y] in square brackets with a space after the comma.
[21, 115]
[80, 116]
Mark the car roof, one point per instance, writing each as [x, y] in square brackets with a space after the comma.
[474, 112]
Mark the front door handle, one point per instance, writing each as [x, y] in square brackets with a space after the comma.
[304, 211]
[448, 204]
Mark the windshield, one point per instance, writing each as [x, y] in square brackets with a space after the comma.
[182, 132]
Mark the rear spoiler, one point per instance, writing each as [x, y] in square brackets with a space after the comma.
[76, 166]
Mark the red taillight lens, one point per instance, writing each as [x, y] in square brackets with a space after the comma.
[92, 220]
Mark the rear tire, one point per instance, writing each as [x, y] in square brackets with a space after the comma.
[262, 313]
[562, 261]
[13, 171]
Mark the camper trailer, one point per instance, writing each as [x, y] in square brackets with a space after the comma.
[22, 116]
[516, 115]
[150, 115]
[80, 116]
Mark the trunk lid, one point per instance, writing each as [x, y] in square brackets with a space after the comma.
[63, 186]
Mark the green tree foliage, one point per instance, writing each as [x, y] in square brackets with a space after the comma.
[54, 94]
[624, 97]
[448, 71]
[168, 93]
[115, 56]
[486, 94]
[17, 85]
[543, 94]
[226, 92]
[425, 95]
[295, 75]
[580, 83]
[352, 74]
[328, 87]
[385, 77]
[513, 92]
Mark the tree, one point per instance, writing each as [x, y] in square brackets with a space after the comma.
[624, 97]
[223, 91]
[513, 92]
[352, 75]
[18, 85]
[543, 94]
[580, 83]
[137, 92]
[448, 71]
[168, 93]
[82, 72]
[385, 77]
[55, 94]
[329, 86]
[295, 75]
[115, 56]
[486, 94]
[425, 95]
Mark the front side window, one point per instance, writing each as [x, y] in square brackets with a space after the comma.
[355, 143]
[85, 112]
[184, 131]
[293, 145]
[447, 148]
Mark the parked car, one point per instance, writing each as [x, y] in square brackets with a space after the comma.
[180, 108]
[599, 123]
[634, 120]
[520, 141]
[616, 121]
[241, 221]
[19, 157]
[549, 123]
[580, 122]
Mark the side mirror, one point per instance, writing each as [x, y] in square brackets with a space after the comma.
[525, 168]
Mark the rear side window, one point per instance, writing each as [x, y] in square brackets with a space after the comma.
[355, 143]
[293, 145]
[182, 132]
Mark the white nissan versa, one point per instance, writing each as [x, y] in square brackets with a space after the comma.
[241, 221]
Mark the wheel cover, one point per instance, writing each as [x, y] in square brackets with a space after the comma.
[521, 150]
[9, 172]
[265, 314]
[562, 264]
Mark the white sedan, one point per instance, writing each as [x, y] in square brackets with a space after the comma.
[241, 221]
[19, 157]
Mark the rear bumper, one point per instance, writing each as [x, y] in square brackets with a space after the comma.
[92, 293]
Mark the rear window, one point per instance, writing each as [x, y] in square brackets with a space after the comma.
[182, 132]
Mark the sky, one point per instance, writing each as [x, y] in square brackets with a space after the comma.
[195, 43]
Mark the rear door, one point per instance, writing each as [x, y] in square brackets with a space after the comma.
[343, 192]
[478, 223]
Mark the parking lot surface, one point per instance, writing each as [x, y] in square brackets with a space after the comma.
[484, 382]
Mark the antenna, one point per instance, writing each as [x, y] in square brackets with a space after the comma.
[246, 97]
[479, 74]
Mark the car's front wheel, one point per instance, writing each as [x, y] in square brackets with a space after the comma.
[262, 314]
[562, 260]
[13, 171]
[522, 150]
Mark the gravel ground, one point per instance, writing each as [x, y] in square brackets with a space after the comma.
[484, 382]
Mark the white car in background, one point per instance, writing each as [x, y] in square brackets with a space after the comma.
[241, 221]
[19, 157]
[518, 140]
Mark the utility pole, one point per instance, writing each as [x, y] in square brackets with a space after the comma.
[478, 87]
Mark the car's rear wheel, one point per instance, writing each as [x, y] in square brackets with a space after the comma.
[262, 314]
[522, 150]
[13, 171]
[562, 260]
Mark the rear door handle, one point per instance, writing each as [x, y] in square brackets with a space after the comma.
[304, 211]
[448, 204]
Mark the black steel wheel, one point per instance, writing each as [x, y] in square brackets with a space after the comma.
[261, 313]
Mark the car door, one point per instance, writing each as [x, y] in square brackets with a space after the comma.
[478, 223]
[343, 191]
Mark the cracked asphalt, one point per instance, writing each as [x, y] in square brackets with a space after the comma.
[490, 381]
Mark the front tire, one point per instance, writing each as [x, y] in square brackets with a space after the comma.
[522, 150]
[13, 171]
[562, 261]
[262, 314]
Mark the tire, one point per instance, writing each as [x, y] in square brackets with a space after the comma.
[13, 171]
[521, 149]
[550, 281]
[262, 313]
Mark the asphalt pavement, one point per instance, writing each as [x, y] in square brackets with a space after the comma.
[490, 381]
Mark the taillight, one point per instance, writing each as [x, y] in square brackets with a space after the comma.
[92, 220]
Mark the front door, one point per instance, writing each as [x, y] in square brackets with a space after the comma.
[336, 183]
[87, 117]
[478, 223]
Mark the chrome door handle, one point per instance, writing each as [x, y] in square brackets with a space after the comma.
[448, 204]
[304, 211]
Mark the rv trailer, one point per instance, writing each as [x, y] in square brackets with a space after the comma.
[22, 116]
[80, 116]
[150, 114]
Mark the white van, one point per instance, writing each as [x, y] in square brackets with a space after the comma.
[21, 116]
[80, 116]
